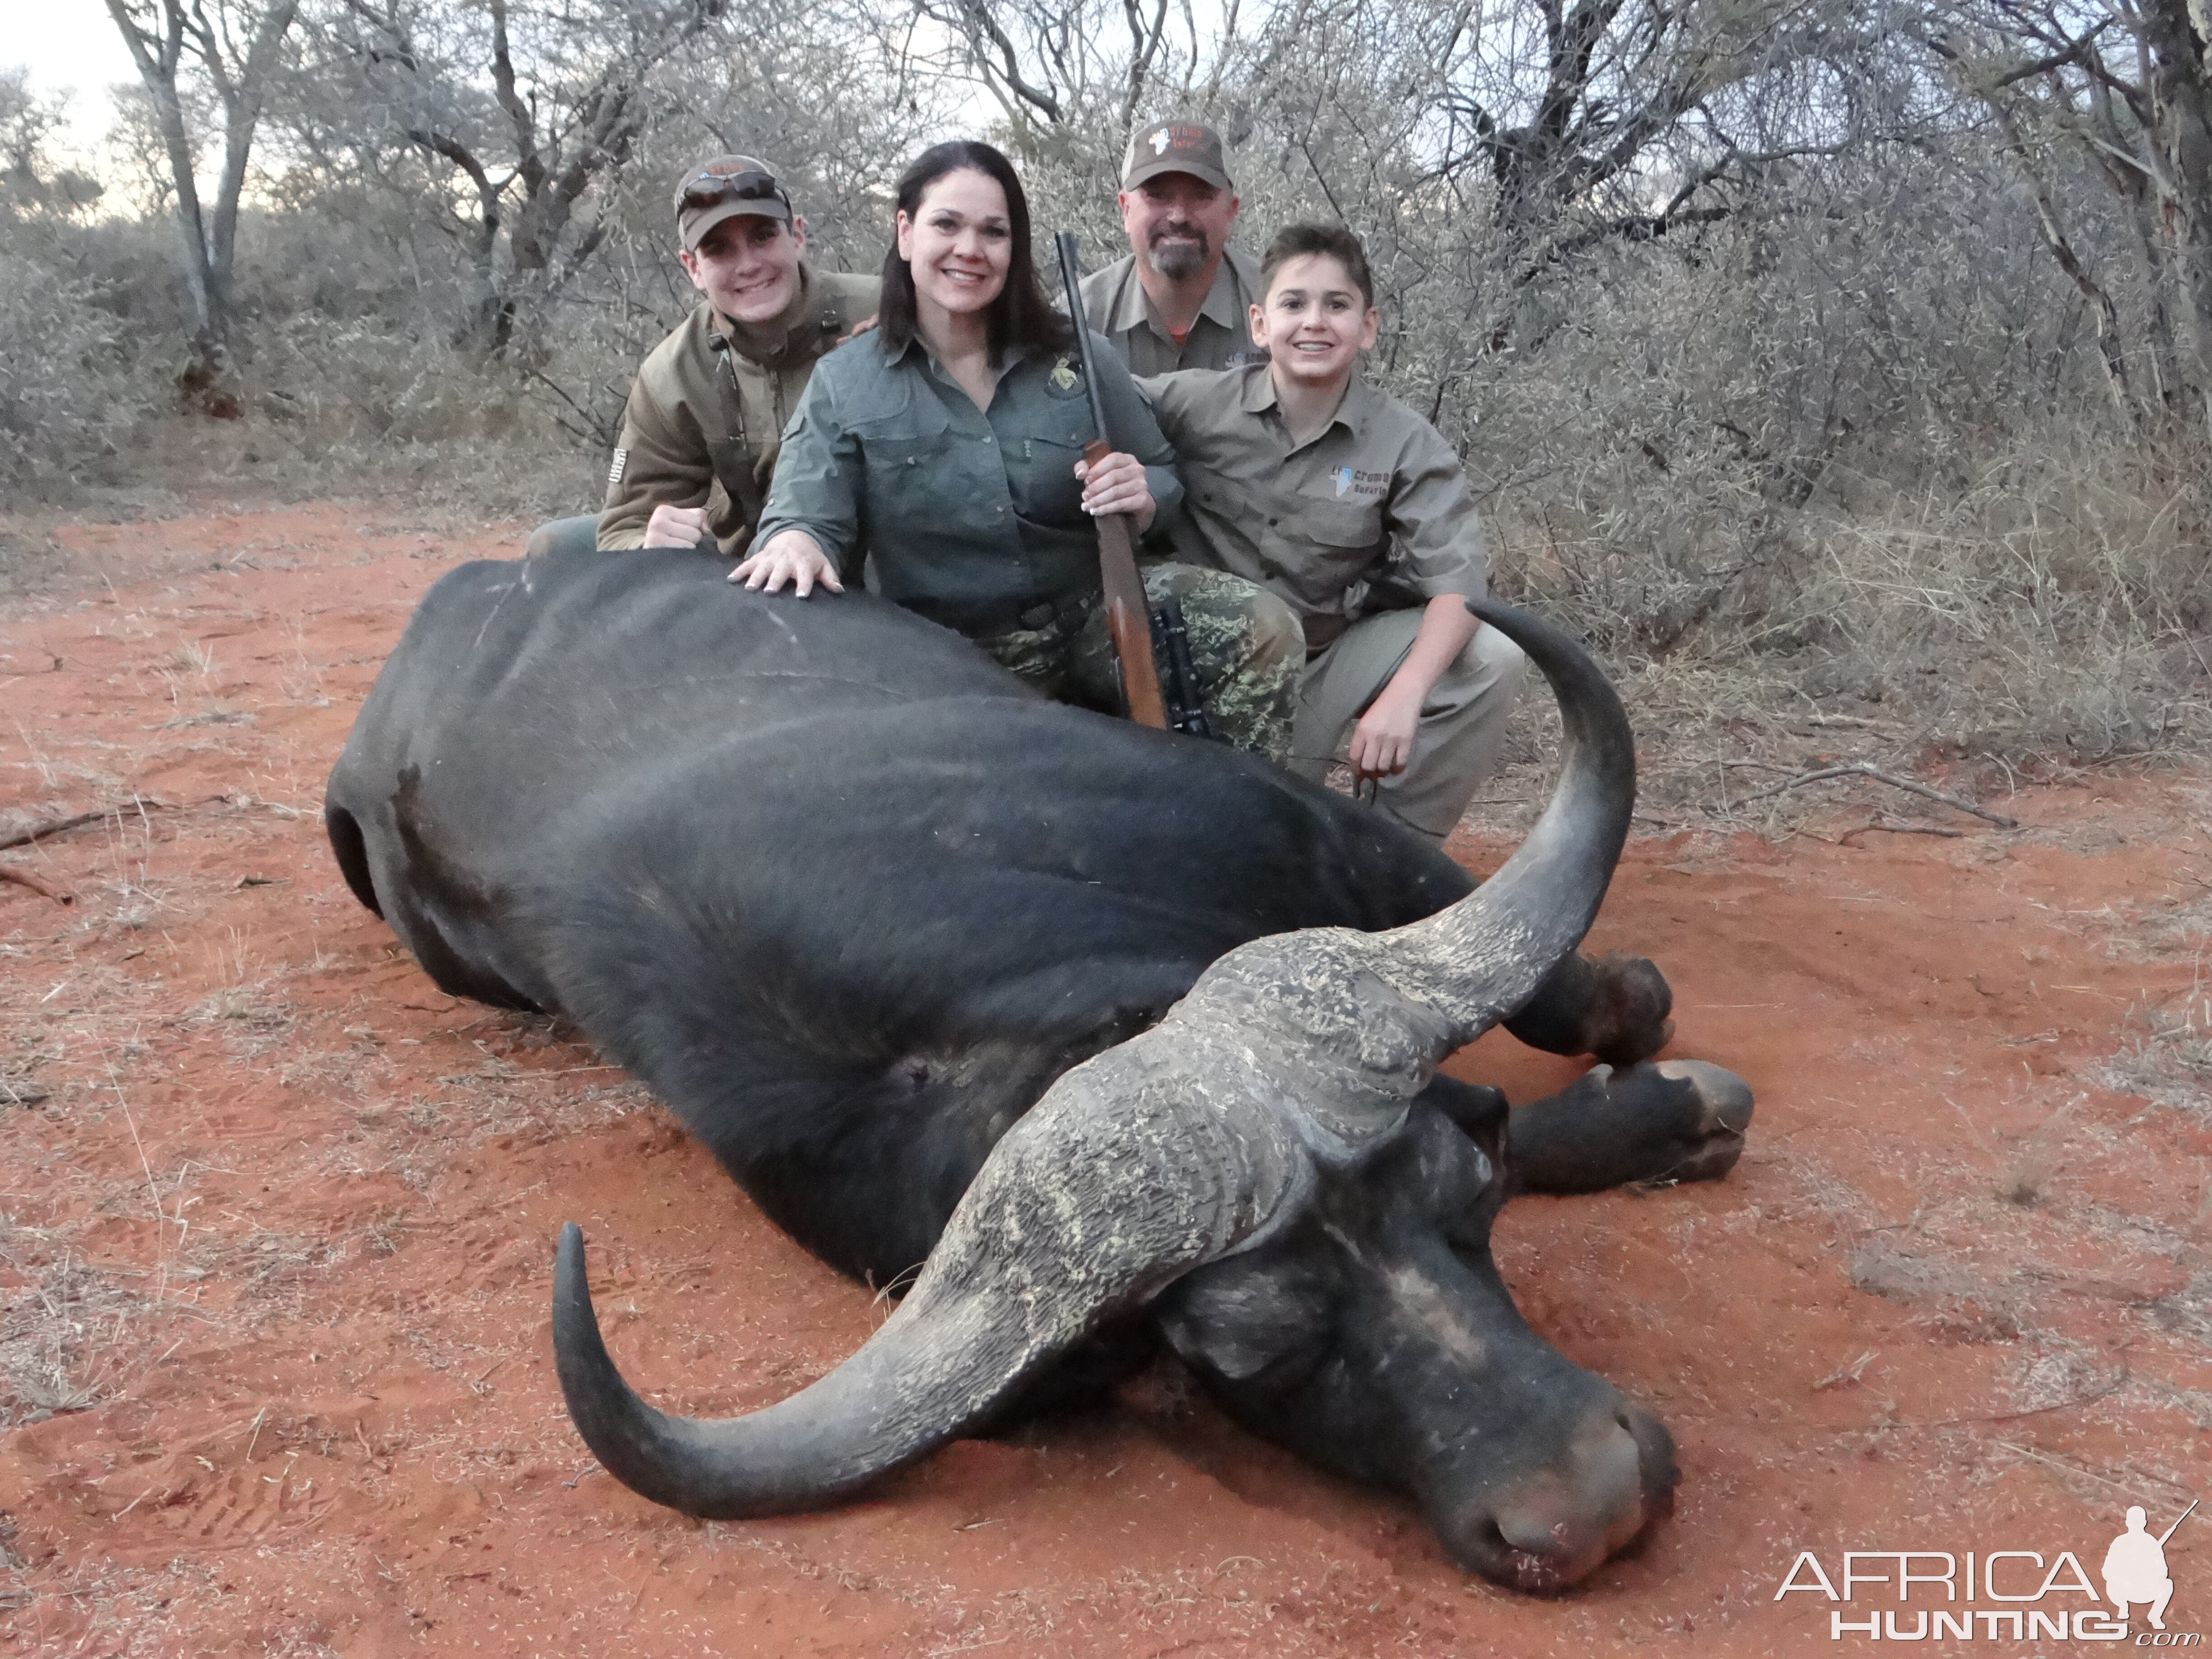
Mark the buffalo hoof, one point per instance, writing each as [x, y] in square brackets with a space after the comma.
[1680, 1120]
[1630, 1023]
[1613, 1008]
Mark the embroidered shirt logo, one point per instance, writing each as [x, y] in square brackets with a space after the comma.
[1063, 376]
[1343, 477]
[615, 468]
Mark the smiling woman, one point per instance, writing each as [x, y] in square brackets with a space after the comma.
[947, 451]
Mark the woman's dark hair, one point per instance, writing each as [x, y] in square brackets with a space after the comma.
[1021, 315]
[1296, 242]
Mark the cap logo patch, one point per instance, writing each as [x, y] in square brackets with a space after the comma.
[1161, 140]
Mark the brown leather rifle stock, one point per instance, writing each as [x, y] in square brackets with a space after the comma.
[1128, 620]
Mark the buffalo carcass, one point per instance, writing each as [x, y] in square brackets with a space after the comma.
[924, 960]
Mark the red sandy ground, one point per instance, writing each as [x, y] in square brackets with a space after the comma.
[280, 1228]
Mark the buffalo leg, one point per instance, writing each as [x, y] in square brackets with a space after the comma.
[1614, 1007]
[1680, 1120]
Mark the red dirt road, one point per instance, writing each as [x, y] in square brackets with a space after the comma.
[277, 1223]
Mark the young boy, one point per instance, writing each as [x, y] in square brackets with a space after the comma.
[1299, 475]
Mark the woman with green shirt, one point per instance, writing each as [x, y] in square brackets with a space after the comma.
[1349, 507]
[947, 448]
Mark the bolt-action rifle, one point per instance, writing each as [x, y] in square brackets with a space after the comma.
[1142, 636]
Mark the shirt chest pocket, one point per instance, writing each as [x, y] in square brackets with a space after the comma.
[1344, 529]
[1046, 488]
[904, 457]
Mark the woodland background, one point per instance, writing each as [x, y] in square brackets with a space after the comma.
[1806, 352]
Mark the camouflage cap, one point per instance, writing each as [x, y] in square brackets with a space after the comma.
[724, 187]
[1175, 147]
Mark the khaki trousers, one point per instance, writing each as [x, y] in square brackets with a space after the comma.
[1462, 723]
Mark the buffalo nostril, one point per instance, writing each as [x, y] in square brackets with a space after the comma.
[1591, 1505]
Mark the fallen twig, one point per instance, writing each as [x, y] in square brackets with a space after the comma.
[56, 826]
[1845, 840]
[25, 879]
[1878, 775]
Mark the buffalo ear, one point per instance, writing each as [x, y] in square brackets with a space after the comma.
[1478, 1111]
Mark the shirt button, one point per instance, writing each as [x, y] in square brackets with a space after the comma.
[986, 438]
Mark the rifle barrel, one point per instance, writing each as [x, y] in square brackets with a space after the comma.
[1070, 277]
[2177, 1520]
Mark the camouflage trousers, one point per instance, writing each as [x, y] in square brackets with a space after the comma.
[1247, 648]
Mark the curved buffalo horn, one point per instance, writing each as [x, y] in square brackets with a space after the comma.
[1149, 1159]
[1480, 961]
[1088, 1207]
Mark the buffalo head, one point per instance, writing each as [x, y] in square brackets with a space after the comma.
[1276, 1175]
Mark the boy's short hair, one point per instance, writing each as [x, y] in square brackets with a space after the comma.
[1296, 242]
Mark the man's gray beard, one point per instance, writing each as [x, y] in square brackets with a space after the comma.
[1178, 260]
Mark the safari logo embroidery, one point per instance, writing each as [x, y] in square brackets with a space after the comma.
[1063, 376]
[1343, 477]
[1160, 142]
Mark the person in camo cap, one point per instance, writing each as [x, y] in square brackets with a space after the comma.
[707, 409]
[1182, 297]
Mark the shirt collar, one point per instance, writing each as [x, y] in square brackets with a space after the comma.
[1257, 397]
[1222, 302]
[1016, 354]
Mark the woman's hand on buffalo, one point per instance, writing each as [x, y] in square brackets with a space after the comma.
[1117, 484]
[789, 556]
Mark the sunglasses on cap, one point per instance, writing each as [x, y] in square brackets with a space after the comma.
[709, 189]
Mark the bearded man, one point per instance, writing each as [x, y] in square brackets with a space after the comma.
[1182, 298]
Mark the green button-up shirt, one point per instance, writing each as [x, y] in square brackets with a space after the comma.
[960, 508]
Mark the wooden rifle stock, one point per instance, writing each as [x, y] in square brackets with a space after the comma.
[1128, 620]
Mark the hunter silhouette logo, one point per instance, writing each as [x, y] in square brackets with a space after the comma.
[2135, 1567]
[1915, 1594]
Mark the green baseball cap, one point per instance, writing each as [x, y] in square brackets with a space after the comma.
[725, 187]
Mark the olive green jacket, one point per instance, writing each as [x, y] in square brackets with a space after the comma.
[702, 424]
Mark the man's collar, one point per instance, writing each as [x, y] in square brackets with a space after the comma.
[1235, 274]
[1132, 306]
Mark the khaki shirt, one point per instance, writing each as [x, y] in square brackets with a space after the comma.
[701, 426]
[1220, 335]
[1378, 497]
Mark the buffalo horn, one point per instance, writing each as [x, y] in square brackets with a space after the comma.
[1088, 1207]
[1480, 961]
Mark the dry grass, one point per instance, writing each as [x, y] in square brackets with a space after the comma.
[68, 1338]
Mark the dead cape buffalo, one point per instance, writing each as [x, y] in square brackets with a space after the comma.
[1105, 1024]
